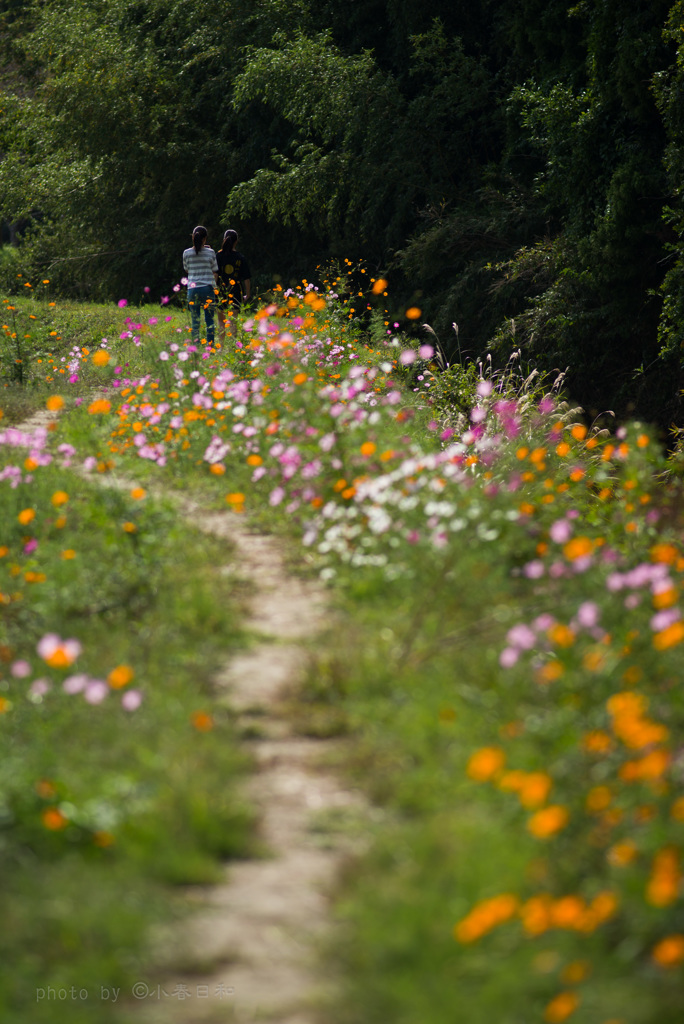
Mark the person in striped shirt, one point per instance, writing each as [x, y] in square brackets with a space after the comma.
[201, 268]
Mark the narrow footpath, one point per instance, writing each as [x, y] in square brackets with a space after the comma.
[247, 950]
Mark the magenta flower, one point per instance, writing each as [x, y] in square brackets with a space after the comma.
[122, 303]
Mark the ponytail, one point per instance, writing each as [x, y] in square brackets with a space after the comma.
[229, 239]
[199, 237]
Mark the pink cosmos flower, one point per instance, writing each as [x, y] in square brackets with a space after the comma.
[588, 614]
[131, 700]
[95, 691]
[75, 684]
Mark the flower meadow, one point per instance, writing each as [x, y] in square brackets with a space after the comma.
[513, 579]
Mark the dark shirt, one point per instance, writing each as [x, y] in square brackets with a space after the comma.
[233, 271]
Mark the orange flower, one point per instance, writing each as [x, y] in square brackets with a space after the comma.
[598, 798]
[59, 498]
[548, 821]
[26, 516]
[561, 635]
[368, 448]
[379, 286]
[138, 493]
[129, 527]
[578, 547]
[665, 553]
[485, 763]
[650, 767]
[100, 405]
[549, 672]
[54, 403]
[254, 460]
[669, 637]
[536, 914]
[202, 721]
[120, 676]
[670, 951]
[485, 916]
[299, 378]
[535, 789]
[568, 912]
[217, 468]
[562, 449]
[413, 313]
[5, 705]
[560, 1008]
[101, 358]
[575, 972]
[53, 819]
[622, 853]
[663, 885]
[677, 809]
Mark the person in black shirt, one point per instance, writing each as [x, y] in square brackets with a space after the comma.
[234, 282]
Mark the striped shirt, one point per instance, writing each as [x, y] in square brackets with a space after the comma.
[201, 266]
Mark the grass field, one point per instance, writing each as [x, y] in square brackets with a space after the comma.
[507, 673]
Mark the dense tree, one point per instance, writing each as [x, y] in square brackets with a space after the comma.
[515, 164]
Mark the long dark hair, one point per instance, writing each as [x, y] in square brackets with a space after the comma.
[229, 239]
[199, 237]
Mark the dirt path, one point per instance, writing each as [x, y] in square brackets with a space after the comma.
[247, 951]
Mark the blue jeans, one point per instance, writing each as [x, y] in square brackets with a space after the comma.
[198, 299]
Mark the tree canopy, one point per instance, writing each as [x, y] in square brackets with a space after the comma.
[513, 165]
